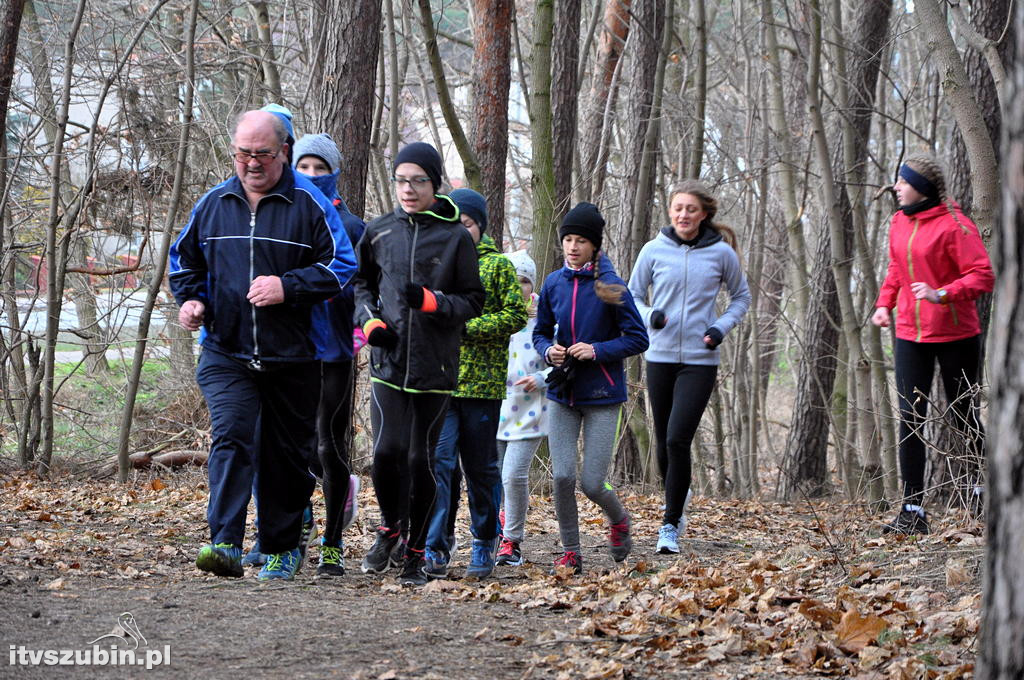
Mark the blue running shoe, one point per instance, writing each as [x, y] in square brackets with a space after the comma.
[254, 558]
[308, 530]
[481, 562]
[281, 566]
[222, 559]
[436, 566]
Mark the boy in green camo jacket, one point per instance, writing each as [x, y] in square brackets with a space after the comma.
[471, 423]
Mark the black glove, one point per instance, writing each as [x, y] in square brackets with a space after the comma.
[658, 319]
[414, 295]
[561, 377]
[384, 337]
[716, 337]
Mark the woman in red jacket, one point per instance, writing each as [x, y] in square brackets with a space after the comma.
[938, 267]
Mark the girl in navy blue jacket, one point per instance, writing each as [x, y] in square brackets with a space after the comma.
[598, 326]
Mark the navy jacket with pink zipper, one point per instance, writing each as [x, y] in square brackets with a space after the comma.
[569, 301]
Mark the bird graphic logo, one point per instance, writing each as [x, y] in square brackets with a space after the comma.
[126, 629]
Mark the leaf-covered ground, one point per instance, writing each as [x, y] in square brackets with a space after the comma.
[761, 590]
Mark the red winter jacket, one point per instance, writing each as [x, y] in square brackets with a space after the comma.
[941, 247]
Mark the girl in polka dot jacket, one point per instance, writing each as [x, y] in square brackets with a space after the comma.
[523, 421]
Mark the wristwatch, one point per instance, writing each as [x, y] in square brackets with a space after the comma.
[941, 292]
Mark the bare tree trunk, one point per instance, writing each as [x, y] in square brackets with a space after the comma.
[469, 160]
[267, 56]
[960, 95]
[644, 48]
[350, 34]
[805, 468]
[1001, 654]
[544, 248]
[492, 77]
[565, 58]
[602, 95]
[124, 432]
[700, 88]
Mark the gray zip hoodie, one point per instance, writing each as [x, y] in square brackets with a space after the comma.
[683, 281]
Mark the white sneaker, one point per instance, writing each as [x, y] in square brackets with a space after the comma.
[668, 540]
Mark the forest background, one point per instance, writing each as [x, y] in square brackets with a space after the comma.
[797, 113]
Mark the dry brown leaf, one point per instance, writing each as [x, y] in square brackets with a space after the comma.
[56, 584]
[855, 632]
[819, 612]
[156, 484]
[956, 573]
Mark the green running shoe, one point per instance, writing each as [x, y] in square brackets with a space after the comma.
[222, 559]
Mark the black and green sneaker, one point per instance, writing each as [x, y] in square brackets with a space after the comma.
[332, 561]
[222, 559]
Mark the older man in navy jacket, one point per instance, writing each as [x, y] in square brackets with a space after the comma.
[258, 251]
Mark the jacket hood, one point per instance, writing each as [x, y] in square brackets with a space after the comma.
[486, 246]
[707, 236]
[444, 209]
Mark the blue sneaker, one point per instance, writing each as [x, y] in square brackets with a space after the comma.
[254, 558]
[222, 559]
[436, 566]
[481, 562]
[281, 566]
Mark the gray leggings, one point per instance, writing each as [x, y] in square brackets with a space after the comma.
[599, 424]
[515, 480]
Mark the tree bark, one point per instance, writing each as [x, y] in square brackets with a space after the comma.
[565, 58]
[346, 74]
[492, 77]
[1001, 655]
[601, 106]
[544, 248]
[700, 89]
[470, 163]
[644, 48]
[266, 52]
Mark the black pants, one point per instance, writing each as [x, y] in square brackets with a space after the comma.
[406, 426]
[915, 365]
[259, 420]
[679, 394]
[332, 427]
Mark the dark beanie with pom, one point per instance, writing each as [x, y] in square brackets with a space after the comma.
[585, 220]
[425, 156]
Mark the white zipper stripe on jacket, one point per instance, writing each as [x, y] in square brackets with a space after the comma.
[252, 270]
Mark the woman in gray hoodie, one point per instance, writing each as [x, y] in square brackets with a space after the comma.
[675, 282]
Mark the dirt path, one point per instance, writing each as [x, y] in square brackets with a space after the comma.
[759, 592]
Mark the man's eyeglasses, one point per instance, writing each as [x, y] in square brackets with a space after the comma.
[260, 157]
[414, 182]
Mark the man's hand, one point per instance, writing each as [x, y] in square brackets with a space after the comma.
[190, 316]
[881, 317]
[582, 351]
[265, 291]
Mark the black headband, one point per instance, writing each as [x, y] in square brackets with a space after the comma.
[919, 182]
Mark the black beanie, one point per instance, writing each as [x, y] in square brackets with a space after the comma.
[584, 219]
[423, 155]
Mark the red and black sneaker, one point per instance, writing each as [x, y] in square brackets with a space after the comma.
[509, 554]
[570, 559]
[378, 559]
[619, 541]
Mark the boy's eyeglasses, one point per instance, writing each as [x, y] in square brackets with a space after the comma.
[260, 157]
[414, 182]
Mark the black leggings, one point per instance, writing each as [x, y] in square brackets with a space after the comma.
[915, 365]
[679, 394]
[332, 427]
[406, 426]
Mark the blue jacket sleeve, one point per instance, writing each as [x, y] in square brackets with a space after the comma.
[544, 329]
[333, 266]
[187, 271]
